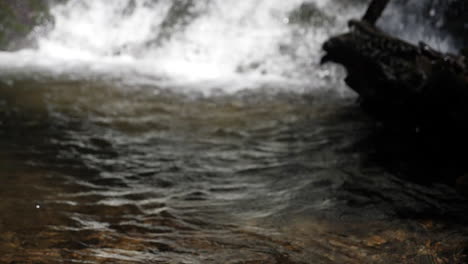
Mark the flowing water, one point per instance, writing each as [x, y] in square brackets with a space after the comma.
[202, 131]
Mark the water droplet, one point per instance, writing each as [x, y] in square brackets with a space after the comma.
[324, 74]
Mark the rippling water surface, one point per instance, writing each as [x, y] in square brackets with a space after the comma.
[150, 152]
[95, 174]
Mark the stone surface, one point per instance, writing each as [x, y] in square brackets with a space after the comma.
[18, 18]
[417, 96]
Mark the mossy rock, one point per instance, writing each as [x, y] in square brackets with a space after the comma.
[18, 18]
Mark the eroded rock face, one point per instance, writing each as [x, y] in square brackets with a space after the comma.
[417, 96]
[18, 18]
[397, 81]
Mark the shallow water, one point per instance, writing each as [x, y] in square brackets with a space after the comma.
[206, 134]
[96, 174]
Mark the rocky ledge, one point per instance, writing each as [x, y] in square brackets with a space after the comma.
[418, 96]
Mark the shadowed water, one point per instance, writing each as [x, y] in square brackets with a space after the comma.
[93, 173]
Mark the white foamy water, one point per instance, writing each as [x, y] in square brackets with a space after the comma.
[202, 42]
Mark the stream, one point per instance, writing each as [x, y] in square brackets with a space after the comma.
[203, 131]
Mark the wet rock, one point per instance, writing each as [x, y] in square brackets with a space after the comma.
[400, 82]
[18, 19]
[418, 96]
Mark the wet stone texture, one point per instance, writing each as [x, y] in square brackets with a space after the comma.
[18, 19]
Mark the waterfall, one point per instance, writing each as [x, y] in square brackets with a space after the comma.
[180, 41]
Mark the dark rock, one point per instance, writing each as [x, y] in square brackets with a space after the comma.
[400, 82]
[417, 94]
[18, 19]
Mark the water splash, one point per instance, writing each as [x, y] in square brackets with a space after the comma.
[205, 45]
[186, 41]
